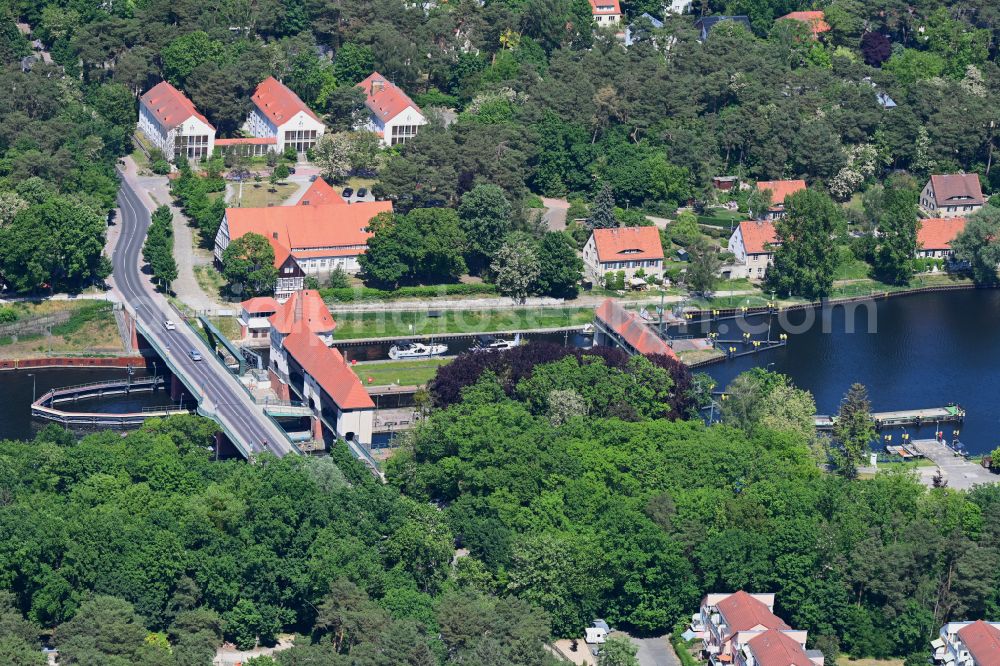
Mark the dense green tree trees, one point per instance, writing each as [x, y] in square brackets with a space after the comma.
[803, 264]
[897, 236]
[158, 250]
[248, 265]
[978, 244]
[485, 214]
[425, 245]
[854, 429]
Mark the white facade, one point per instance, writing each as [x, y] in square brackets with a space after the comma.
[193, 138]
[397, 129]
[750, 265]
[678, 6]
[301, 131]
[597, 269]
[950, 649]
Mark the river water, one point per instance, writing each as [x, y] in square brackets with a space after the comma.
[927, 350]
[16, 390]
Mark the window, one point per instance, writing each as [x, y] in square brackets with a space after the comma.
[400, 133]
[303, 140]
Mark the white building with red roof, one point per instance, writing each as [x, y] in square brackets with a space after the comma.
[780, 189]
[753, 244]
[968, 644]
[279, 114]
[774, 647]
[626, 249]
[952, 195]
[391, 113]
[172, 123]
[606, 12]
[935, 236]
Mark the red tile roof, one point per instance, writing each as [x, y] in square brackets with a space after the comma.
[605, 7]
[937, 233]
[780, 189]
[385, 99]
[776, 648]
[169, 105]
[759, 237]
[742, 613]
[632, 329]
[628, 244]
[305, 228]
[246, 141]
[303, 311]
[328, 368]
[816, 20]
[983, 641]
[276, 101]
[957, 189]
[260, 304]
[319, 193]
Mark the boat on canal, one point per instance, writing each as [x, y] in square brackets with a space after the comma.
[490, 343]
[411, 350]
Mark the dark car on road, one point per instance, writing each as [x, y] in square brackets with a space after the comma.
[347, 193]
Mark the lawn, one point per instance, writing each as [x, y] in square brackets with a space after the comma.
[401, 373]
[259, 195]
[406, 324]
[720, 217]
[849, 266]
[354, 182]
[210, 280]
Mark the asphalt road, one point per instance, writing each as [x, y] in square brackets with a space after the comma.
[220, 392]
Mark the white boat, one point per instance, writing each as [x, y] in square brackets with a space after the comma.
[489, 343]
[404, 350]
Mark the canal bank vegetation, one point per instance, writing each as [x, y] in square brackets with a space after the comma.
[59, 327]
[401, 324]
[400, 373]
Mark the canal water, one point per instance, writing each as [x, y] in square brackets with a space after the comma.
[927, 350]
[16, 391]
[378, 351]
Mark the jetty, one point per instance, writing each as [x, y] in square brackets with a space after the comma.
[45, 408]
[903, 417]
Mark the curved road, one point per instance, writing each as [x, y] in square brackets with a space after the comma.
[220, 394]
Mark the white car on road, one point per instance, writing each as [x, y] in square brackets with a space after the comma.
[169, 325]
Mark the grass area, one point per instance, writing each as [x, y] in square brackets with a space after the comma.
[720, 217]
[229, 326]
[259, 195]
[868, 286]
[406, 324]
[698, 355]
[739, 284]
[850, 267]
[354, 182]
[90, 329]
[844, 660]
[401, 373]
[210, 280]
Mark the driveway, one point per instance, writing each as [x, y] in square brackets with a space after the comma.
[655, 651]
[555, 213]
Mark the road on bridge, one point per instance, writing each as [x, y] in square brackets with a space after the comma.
[219, 392]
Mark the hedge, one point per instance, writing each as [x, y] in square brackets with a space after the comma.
[349, 294]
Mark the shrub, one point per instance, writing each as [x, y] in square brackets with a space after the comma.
[7, 315]
[350, 294]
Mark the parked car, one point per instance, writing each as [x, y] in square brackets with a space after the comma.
[362, 192]
[169, 325]
[195, 355]
[347, 192]
[312, 178]
[291, 170]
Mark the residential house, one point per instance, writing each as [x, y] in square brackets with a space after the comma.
[815, 20]
[254, 316]
[319, 237]
[753, 244]
[725, 183]
[279, 114]
[606, 12]
[617, 327]
[935, 235]
[952, 195]
[320, 193]
[727, 622]
[780, 189]
[171, 123]
[626, 249]
[303, 311]
[968, 644]
[641, 28]
[705, 24]
[774, 647]
[391, 113]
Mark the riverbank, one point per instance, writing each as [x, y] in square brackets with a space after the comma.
[405, 324]
[54, 327]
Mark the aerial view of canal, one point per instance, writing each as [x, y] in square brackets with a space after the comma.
[927, 350]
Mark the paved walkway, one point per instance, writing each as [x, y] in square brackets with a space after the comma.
[961, 474]
[555, 213]
[656, 651]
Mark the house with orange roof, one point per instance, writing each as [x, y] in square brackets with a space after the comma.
[968, 644]
[391, 113]
[279, 114]
[320, 237]
[753, 244]
[172, 123]
[729, 622]
[780, 189]
[628, 249]
[952, 195]
[254, 316]
[327, 384]
[606, 12]
[303, 311]
[815, 20]
[935, 235]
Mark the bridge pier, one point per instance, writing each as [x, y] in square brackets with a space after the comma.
[178, 391]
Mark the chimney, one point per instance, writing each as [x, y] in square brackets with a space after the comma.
[274, 235]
